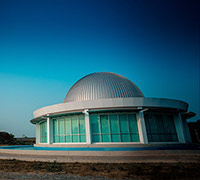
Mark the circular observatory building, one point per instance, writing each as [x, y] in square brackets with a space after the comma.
[105, 109]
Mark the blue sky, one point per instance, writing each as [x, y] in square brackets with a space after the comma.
[46, 46]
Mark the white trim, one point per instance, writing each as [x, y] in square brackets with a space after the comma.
[42, 143]
[177, 142]
[117, 143]
[99, 143]
[186, 131]
[87, 127]
[112, 103]
[70, 143]
[179, 128]
[48, 131]
[142, 128]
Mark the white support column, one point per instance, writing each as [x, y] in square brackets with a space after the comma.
[187, 132]
[37, 133]
[179, 128]
[48, 130]
[142, 128]
[87, 126]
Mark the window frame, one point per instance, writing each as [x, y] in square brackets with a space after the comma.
[120, 133]
[43, 123]
[173, 134]
[58, 135]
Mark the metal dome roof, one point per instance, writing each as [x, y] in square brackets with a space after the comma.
[102, 85]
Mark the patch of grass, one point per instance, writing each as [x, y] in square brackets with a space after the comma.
[54, 167]
[112, 170]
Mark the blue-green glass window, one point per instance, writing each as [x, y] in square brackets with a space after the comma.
[69, 129]
[173, 128]
[82, 132]
[114, 127]
[105, 128]
[61, 131]
[81, 124]
[74, 125]
[43, 132]
[95, 128]
[160, 128]
[123, 123]
[133, 128]
[68, 126]
[154, 128]
[104, 124]
[55, 131]
[114, 124]
[124, 127]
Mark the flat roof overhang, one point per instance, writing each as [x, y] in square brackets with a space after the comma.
[38, 119]
[136, 104]
[163, 110]
[188, 115]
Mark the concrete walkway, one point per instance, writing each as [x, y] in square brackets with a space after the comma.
[167, 156]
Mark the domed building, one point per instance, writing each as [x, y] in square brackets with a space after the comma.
[103, 109]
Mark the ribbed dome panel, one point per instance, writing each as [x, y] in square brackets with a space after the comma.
[102, 85]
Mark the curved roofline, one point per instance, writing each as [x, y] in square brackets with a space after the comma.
[100, 85]
[137, 102]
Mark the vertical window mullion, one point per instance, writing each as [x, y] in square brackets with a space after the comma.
[78, 129]
[54, 135]
[99, 117]
[71, 128]
[128, 127]
[119, 128]
[57, 130]
[158, 132]
[40, 133]
[64, 130]
[45, 131]
[164, 130]
[109, 128]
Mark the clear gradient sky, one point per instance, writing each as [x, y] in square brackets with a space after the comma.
[46, 46]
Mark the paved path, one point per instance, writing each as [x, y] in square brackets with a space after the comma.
[170, 156]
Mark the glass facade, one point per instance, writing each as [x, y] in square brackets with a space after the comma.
[110, 127]
[69, 129]
[160, 128]
[43, 132]
[114, 127]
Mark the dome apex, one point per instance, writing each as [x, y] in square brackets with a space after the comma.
[102, 85]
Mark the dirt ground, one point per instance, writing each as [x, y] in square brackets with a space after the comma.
[105, 170]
